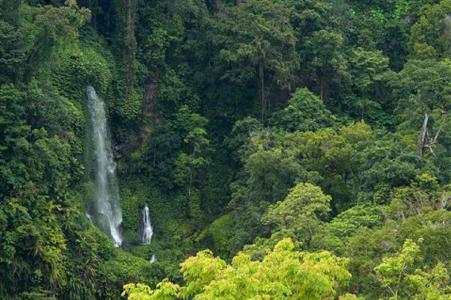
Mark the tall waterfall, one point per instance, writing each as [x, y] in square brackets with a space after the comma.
[147, 230]
[108, 213]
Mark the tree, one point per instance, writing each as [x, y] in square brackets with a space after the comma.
[422, 195]
[265, 52]
[402, 281]
[370, 74]
[329, 158]
[299, 216]
[324, 60]
[393, 270]
[367, 247]
[282, 274]
[334, 235]
[300, 212]
[430, 36]
[195, 145]
[268, 173]
[193, 159]
[305, 111]
[12, 52]
[237, 141]
[423, 88]
[38, 168]
[49, 28]
[10, 11]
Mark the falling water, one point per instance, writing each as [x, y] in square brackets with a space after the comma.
[108, 213]
[147, 230]
[88, 216]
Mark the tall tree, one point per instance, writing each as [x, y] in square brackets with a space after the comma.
[425, 100]
[264, 53]
[10, 11]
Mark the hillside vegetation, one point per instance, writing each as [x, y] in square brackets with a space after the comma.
[286, 149]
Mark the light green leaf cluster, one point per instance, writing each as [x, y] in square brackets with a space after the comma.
[400, 278]
[283, 273]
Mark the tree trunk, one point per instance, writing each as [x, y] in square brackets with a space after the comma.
[261, 75]
[215, 5]
[439, 130]
[323, 88]
[423, 135]
[190, 182]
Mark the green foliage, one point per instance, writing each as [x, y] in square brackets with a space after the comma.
[190, 163]
[282, 274]
[237, 123]
[12, 51]
[267, 25]
[422, 195]
[130, 213]
[299, 211]
[216, 236]
[368, 246]
[237, 141]
[352, 164]
[423, 107]
[335, 234]
[166, 291]
[370, 75]
[431, 35]
[424, 85]
[324, 60]
[305, 111]
[129, 109]
[398, 276]
[79, 68]
[48, 28]
[298, 216]
[264, 54]
[125, 266]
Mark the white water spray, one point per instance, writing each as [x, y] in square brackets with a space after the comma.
[107, 208]
[153, 259]
[147, 230]
[88, 216]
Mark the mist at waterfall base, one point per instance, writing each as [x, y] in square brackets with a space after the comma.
[107, 212]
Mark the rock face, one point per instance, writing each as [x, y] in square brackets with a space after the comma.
[150, 108]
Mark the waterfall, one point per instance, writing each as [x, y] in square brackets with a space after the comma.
[88, 216]
[147, 230]
[153, 259]
[108, 213]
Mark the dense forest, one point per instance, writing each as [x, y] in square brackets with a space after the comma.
[225, 149]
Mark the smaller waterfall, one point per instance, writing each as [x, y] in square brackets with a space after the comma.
[88, 216]
[147, 230]
[153, 259]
